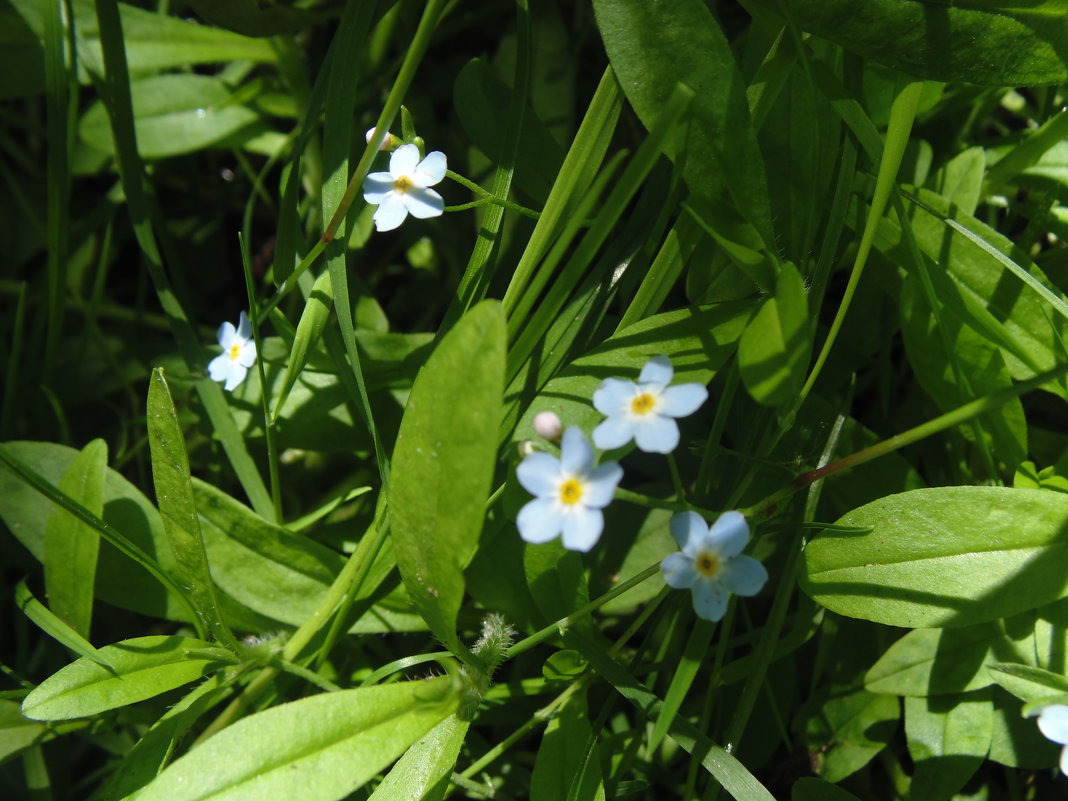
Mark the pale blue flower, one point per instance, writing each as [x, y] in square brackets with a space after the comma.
[570, 494]
[239, 353]
[645, 411]
[403, 190]
[1053, 723]
[711, 564]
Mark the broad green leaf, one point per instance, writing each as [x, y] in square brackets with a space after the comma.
[175, 114]
[174, 494]
[951, 556]
[567, 755]
[282, 575]
[939, 661]
[320, 748]
[17, 733]
[309, 330]
[71, 546]
[774, 350]
[652, 46]
[960, 180]
[697, 340]
[689, 662]
[1015, 740]
[996, 43]
[948, 739]
[443, 463]
[140, 668]
[850, 729]
[981, 365]
[1028, 683]
[150, 754]
[423, 773]
[813, 789]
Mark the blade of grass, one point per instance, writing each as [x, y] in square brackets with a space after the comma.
[12, 393]
[48, 622]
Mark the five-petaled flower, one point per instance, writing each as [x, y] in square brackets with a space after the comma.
[1053, 723]
[710, 563]
[570, 492]
[645, 411]
[403, 190]
[239, 353]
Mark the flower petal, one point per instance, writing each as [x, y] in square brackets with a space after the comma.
[613, 432]
[1064, 760]
[657, 370]
[1053, 723]
[743, 575]
[539, 474]
[431, 170]
[656, 434]
[728, 534]
[709, 599]
[614, 396]
[601, 485]
[539, 521]
[244, 327]
[679, 571]
[403, 161]
[235, 375]
[246, 357]
[377, 187]
[576, 453]
[682, 400]
[219, 367]
[582, 529]
[423, 203]
[686, 528]
[391, 213]
[226, 334]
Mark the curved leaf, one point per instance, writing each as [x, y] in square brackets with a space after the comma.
[950, 556]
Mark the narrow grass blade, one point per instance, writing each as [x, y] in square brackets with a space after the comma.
[53, 626]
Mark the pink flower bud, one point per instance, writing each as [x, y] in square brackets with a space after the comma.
[548, 425]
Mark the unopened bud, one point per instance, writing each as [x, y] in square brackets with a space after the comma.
[548, 425]
[526, 447]
[391, 142]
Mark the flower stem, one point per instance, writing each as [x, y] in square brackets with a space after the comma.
[662, 503]
[487, 197]
[676, 479]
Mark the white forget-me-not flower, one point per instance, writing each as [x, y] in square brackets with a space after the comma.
[239, 353]
[570, 492]
[711, 564]
[1053, 723]
[403, 190]
[645, 411]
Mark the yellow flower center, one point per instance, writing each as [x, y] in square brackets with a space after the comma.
[571, 492]
[235, 351]
[402, 184]
[643, 404]
[707, 564]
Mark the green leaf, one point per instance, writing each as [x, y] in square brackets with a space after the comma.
[652, 46]
[309, 330]
[996, 43]
[17, 733]
[567, 766]
[71, 546]
[52, 625]
[697, 340]
[423, 773]
[175, 114]
[951, 556]
[939, 661]
[253, 17]
[850, 729]
[774, 350]
[948, 739]
[1016, 741]
[443, 463]
[320, 748]
[812, 789]
[1029, 683]
[174, 494]
[140, 668]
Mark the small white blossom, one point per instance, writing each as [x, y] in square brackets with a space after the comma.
[403, 190]
[570, 492]
[1053, 723]
[548, 425]
[389, 143]
[710, 563]
[645, 411]
[239, 353]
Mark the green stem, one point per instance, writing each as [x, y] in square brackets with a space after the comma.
[948, 420]
[676, 479]
[661, 503]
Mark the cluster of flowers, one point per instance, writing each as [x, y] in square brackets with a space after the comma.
[571, 492]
